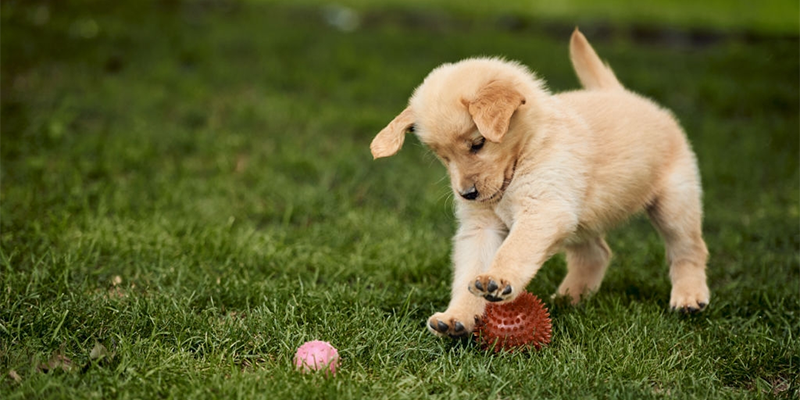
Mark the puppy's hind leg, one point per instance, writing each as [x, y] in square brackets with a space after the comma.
[586, 266]
[677, 214]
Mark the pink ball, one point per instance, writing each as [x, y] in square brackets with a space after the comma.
[316, 355]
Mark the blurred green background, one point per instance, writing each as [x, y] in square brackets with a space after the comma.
[187, 195]
[773, 17]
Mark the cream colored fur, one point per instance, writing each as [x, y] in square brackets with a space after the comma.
[542, 173]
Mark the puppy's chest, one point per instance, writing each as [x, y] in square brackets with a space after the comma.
[504, 210]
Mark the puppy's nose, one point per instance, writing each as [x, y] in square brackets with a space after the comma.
[470, 194]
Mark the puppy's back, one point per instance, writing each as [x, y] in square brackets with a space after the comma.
[631, 145]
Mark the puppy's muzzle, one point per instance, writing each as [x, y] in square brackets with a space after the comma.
[469, 194]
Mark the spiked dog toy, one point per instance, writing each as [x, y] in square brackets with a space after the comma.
[515, 326]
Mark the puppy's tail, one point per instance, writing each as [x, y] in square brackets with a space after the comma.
[591, 71]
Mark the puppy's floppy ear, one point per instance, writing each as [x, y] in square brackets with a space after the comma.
[390, 139]
[492, 108]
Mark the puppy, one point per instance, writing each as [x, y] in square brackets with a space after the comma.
[537, 173]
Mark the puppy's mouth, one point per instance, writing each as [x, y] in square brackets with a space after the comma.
[508, 176]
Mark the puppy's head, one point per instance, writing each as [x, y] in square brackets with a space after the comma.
[470, 114]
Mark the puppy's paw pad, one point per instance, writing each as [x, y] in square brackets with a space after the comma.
[689, 308]
[442, 325]
[492, 289]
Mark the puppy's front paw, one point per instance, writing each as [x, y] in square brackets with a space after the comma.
[689, 297]
[445, 325]
[492, 289]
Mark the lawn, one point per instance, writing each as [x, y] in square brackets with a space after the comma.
[187, 195]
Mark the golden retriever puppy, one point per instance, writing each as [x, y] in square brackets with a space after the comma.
[537, 173]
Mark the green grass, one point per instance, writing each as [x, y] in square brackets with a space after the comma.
[190, 186]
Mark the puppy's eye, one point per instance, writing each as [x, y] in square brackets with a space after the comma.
[477, 145]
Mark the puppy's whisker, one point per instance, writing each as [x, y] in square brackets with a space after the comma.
[444, 196]
[450, 203]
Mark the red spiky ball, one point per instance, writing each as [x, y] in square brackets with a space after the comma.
[515, 326]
